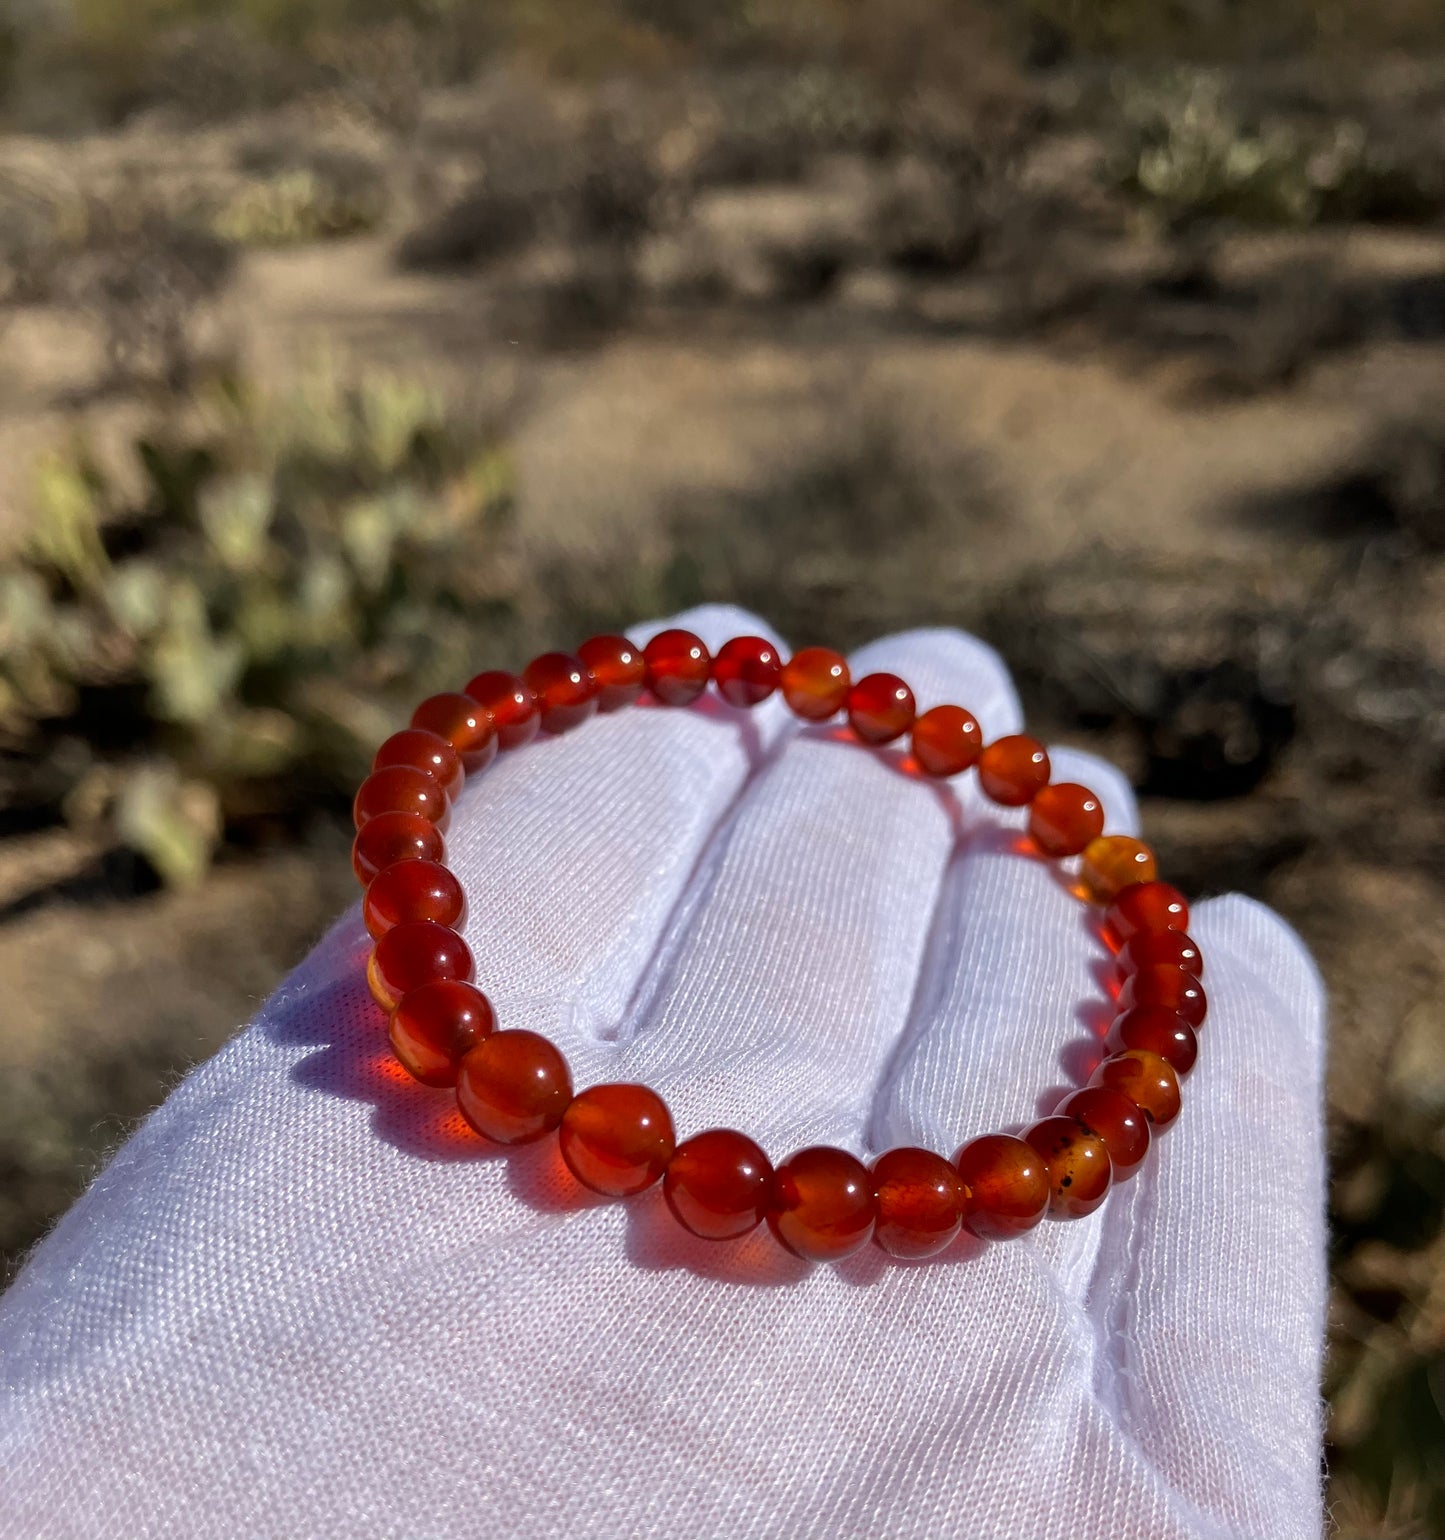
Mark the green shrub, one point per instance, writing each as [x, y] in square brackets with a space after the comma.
[228, 641]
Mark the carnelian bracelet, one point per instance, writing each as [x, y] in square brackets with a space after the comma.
[513, 1086]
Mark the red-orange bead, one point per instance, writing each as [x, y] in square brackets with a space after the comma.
[391, 837]
[400, 789]
[1077, 1163]
[880, 708]
[616, 667]
[678, 666]
[1014, 770]
[746, 670]
[617, 1139]
[513, 1087]
[435, 1025]
[947, 740]
[1064, 817]
[1145, 906]
[1146, 1079]
[1168, 986]
[1111, 863]
[510, 703]
[425, 751]
[1008, 1186]
[718, 1184]
[1160, 949]
[463, 723]
[1116, 1120]
[412, 890]
[566, 693]
[411, 955]
[815, 683]
[920, 1202]
[1158, 1029]
[822, 1205]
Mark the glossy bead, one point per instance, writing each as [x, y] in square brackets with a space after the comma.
[746, 670]
[718, 1184]
[947, 740]
[413, 954]
[566, 693]
[1146, 1079]
[391, 837]
[617, 1139]
[822, 1205]
[678, 666]
[425, 751]
[435, 1025]
[1113, 861]
[616, 667]
[1160, 949]
[1145, 906]
[1008, 1186]
[920, 1202]
[1064, 817]
[880, 708]
[412, 890]
[1168, 986]
[1158, 1029]
[1076, 1161]
[513, 1087]
[815, 683]
[510, 703]
[1116, 1120]
[463, 723]
[400, 789]
[1014, 770]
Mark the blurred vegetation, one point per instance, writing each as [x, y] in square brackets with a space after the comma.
[219, 646]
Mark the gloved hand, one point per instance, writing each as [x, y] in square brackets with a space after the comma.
[305, 1302]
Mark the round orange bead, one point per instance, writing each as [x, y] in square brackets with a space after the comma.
[412, 890]
[920, 1202]
[1168, 986]
[1008, 1186]
[1146, 906]
[747, 670]
[400, 789]
[815, 683]
[718, 1184]
[424, 751]
[947, 740]
[616, 667]
[391, 837]
[1077, 1163]
[617, 1139]
[822, 1205]
[1116, 1120]
[1158, 1029]
[1014, 770]
[1064, 817]
[435, 1025]
[463, 723]
[510, 703]
[513, 1087]
[1111, 863]
[1146, 1079]
[1158, 949]
[566, 693]
[880, 708]
[678, 666]
[411, 955]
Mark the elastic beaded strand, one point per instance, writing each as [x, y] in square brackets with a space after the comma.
[822, 1204]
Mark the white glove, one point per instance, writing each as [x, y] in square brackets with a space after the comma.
[304, 1302]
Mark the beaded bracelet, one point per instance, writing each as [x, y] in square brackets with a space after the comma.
[513, 1086]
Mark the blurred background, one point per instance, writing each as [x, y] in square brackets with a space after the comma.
[347, 346]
